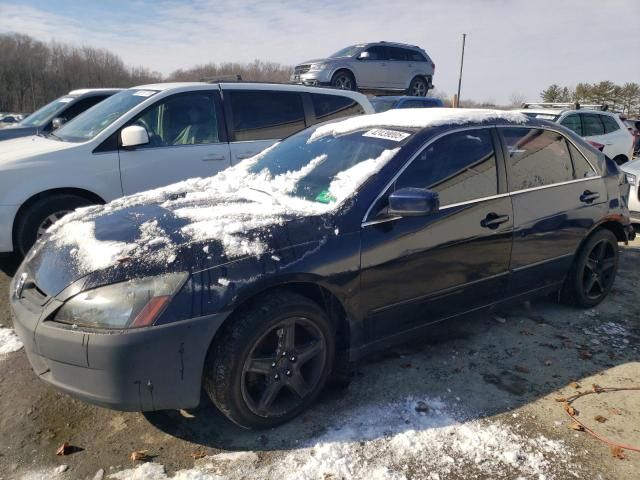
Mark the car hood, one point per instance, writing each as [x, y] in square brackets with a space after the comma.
[318, 60]
[631, 167]
[16, 131]
[25, 147]
[129, 239]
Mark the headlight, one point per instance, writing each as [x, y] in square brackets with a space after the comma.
[631, 179]
[133, 304]
[316, 67]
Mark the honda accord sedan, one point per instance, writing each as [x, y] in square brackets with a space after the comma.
[340, 240]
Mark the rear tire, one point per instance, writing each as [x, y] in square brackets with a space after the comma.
[593, 272]
[41, 215]
[418, 87]
[344, 80]
[269, 364]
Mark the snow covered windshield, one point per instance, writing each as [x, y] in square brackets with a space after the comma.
[90, 123]
[327, 170]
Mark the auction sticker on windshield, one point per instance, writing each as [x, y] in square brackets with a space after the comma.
[385, 134]
[144, 93]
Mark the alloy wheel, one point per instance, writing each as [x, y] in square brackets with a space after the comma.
[284, 366]
[50, 220]
[419, 89]
[598, 273]
[343, 82]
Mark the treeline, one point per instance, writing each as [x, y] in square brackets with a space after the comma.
[620, 98]
[33, 73]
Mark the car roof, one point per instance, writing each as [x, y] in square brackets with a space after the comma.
[291, 87]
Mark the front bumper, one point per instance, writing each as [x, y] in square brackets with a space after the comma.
[7, 216]
[146, 369]
[322, 77]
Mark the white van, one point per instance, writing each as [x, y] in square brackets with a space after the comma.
[146, 137]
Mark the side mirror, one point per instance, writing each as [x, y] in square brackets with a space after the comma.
[364, 55]
[57, 122]
[134, 136]
[413, 202]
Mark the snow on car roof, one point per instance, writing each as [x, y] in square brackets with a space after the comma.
[417, 118]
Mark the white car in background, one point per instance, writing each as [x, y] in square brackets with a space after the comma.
[150, 136]
[632, 171]
[602, 129]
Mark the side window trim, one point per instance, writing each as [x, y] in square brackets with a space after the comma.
[551, 185]
[499, 160]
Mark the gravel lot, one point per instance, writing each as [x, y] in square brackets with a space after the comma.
[475, 400]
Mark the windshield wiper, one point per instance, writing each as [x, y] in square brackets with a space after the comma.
[51, 134]
[265, 192]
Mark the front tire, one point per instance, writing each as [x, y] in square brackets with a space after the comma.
[38, 217]
[593, 271]
[344, 80]
[270, 363]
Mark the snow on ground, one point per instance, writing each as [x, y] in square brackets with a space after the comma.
[389, 441]
[416, 118]
[9, 341]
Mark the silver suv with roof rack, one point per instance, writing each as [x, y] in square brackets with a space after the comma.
[378, 66]
[603, 129]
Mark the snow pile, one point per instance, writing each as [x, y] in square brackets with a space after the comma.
[9, 341]
[393, 441]
[416, 118]
[236, 207]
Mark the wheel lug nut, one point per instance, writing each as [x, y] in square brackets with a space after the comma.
[284, 354]
[276, 377]
[273, 365]
[293, 359]
[288, 373]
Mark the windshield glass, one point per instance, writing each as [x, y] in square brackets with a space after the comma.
[90, 123]
[382, 105]
[347, 51]
[41, 117]
[328, 169]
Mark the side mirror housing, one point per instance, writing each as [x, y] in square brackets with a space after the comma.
[134, 136]
[57, 122]
[413, 202]
[364, 55]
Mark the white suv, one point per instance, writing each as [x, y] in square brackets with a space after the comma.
[146, 137]
[632, 171]
[596, 126]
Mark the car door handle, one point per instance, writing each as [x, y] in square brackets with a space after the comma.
[213, 158]
[493, 220]
[589, 196]
[245, 155]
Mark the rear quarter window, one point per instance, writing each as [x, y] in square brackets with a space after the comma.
[329, 107]
[610, 124]
[592, 124]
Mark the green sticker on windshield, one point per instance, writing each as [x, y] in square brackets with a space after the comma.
[325, 197]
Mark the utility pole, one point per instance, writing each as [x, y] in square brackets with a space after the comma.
[464, 38]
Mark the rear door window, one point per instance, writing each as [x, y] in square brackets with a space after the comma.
[536, 158]
[592, 124]
[398, 54]
[328, 107]
[460, 166]
[265, 115]
[610, 125]
[572, 122]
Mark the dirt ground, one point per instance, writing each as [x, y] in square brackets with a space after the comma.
[475, 400]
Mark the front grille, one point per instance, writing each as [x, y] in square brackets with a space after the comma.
[301, 69]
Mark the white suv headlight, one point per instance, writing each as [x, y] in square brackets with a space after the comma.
[631, 179]
[316, 67]
[132, 304]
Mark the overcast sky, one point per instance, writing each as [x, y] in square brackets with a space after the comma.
[513, 46]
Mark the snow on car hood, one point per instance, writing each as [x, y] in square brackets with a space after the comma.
[416, 118]
[234, 213]
[25, 147]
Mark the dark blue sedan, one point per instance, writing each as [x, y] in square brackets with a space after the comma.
[382, 104]
[343, 239]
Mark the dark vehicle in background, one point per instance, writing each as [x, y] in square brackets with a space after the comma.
[377, 66]
[342, 239]
[54, 114]
[384, 103]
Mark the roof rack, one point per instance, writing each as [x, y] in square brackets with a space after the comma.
[233, 77]
[574, 105]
